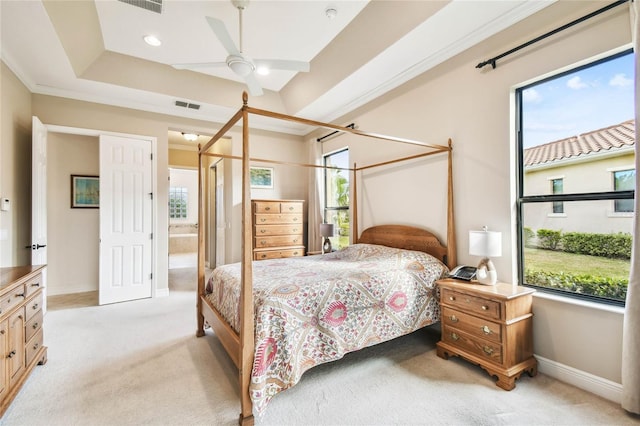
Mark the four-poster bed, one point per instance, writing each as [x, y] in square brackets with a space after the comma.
[405, 260]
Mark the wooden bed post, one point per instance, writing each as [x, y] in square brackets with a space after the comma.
[247, 339]
[354, 219]
[201, 231]
[452, 259]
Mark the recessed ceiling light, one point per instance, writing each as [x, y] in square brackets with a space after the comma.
[152, 40]
[331, 12]
[262, 70]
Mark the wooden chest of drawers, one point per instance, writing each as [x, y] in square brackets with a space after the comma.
[277, 228]
[21, 335]
[490, 326]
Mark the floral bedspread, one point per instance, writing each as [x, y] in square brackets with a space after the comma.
[315, 309]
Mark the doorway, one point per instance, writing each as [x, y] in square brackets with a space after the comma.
[183, 218]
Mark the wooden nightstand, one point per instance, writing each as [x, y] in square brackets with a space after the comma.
[490, 326]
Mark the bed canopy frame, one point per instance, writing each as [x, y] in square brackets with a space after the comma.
[241, 346]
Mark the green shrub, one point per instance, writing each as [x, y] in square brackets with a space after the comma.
[583, 284]
[528, 236]
[613, 246]
[549, 239]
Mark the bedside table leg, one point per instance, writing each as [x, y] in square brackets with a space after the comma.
[441, 352]
[506, 383]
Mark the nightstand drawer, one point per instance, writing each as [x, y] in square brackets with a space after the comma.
[471, 304]
[484, 348]
[33, 325]
[475, 326]
[267, 207]
[295, 207]
[34, 306]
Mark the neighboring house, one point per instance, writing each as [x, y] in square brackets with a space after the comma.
[598, 161]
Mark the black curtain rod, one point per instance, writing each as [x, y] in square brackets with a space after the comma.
[320, 139]
[492, 61]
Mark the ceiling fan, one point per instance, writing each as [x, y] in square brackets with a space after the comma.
[237, 61]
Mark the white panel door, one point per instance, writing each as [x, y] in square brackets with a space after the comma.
[39, 200]
[125, 219]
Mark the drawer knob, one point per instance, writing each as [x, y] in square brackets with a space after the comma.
[295, 241]
[453, 318]
[451, 298]
[454, 336]
[486, 330]
[263, 256]
[290, 207]
[263, 231]
[2, 331]
[35, 346]
[20, 295]
[263, 220]
[263, 242]
[35, 284]
[295, 253]
[11, 354]
[295, 219]
[35, 325]
[485, 307]
[487, 350]
[267, 208]
[35, 306]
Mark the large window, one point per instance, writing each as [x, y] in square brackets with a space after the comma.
[336, 200]
[576, 145]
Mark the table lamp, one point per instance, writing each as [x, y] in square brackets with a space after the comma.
[326, 231]
[486, 244]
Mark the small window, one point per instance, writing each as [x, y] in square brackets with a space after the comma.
[624, 180]
[178, 200]
[557, 188]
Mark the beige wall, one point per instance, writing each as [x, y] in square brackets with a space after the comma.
[582, 176]
[72, 234]
[15, 169]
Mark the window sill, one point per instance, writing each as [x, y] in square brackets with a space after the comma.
[583, 303]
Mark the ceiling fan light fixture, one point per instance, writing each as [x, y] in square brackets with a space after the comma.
[240, 65]
[262, 70]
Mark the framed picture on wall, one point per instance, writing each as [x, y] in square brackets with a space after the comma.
[85, 192]
[261, 177]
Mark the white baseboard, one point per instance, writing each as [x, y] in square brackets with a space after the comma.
[581, 379]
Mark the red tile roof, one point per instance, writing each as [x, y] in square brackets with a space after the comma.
[610, 138]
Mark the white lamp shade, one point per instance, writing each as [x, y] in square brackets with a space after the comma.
[485, 243]
[326, 229]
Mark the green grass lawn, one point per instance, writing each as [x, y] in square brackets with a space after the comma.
[579, 264]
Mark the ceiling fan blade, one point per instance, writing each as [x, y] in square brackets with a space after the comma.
[281, 64]
[220, 30]
[197, 65]
[252, 83]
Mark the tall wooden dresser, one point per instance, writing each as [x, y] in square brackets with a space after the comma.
[21, 335]
[277, 228]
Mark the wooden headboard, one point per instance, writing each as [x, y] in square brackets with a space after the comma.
[405, 237]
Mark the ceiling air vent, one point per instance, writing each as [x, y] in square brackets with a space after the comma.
[184, 104]
[152, 5]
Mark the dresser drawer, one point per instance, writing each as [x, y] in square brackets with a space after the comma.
[278, 241]
[471, 304]
[491, 351]
[12, 299]
[33, 325]
[33, 346]
[268, 230]
[475, 326]
[267, 207]
[34, 305]
[273, 219]
[293, 207]
[278, 254]
[33, 285]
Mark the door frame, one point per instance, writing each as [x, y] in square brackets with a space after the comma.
[54, 128]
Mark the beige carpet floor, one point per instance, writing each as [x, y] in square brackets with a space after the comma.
[139, 363]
